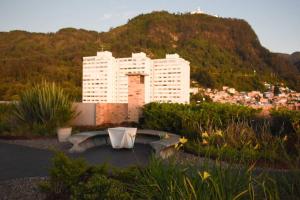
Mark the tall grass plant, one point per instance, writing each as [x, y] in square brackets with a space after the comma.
[43, 108]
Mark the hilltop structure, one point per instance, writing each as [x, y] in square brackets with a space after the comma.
[199, 11]
[105, 78]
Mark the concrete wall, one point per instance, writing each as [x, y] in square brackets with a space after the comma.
[87, 116]
[95, 114]
[111, 113]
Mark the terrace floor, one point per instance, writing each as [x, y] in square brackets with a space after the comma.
[18, 161]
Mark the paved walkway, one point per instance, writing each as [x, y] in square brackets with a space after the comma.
[19, 161]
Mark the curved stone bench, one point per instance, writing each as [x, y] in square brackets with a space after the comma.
[163, 146]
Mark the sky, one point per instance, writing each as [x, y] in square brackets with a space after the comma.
[276, 22]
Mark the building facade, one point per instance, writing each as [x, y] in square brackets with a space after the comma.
[105, 78]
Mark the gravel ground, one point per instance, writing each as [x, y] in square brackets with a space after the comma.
[24, 188]
[27, 188]
[47, 144]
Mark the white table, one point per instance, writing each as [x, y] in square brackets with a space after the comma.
[122, 137]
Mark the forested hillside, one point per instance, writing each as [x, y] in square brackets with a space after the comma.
[222, 51]
[295, 59]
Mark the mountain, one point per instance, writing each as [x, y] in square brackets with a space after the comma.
[295, 59]
[222, 51]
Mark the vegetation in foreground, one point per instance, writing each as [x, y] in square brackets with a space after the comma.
[231, 132]
[41, 110]
[5, 118]
[74, 179]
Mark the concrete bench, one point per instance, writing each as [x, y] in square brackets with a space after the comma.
[163, 146]
[85, 140]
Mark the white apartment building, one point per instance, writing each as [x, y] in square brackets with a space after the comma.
[105, 78]
[170, 80]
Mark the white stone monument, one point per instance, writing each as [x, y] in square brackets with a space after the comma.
[122, 137]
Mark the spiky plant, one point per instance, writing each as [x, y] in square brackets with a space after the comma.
[44, 105]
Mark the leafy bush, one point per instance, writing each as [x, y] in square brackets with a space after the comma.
[192, 119]
[230, 132]
[246, 155]
[5, 117]
[172, 181]
[240, 142]
[74, 179]
[100, 187]
[288, 184]
[285, 121]
[43, 108]
[64, 174]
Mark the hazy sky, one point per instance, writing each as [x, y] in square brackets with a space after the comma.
[276, 22]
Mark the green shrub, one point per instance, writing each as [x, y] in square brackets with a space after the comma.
[163, 116]
[75, 179]
[100, 187]
[288, 184]
[285, 121]
[170, 180]
[5, 117]
[64, 174]
[243, 133]
[43, 108]
[192, 119]
[239, 141]
[245, 156]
